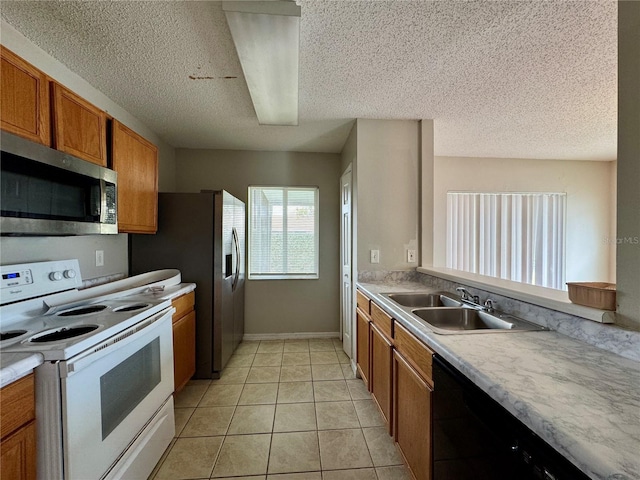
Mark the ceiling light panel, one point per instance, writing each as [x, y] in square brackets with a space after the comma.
[267, 38]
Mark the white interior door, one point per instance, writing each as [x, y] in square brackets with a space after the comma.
[346, 249]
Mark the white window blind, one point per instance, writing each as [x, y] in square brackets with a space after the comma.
[514, 236]
[283, 232]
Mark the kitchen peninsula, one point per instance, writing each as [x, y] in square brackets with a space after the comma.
[581, 400]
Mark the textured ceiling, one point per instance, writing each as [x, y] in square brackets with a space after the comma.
[528, 79]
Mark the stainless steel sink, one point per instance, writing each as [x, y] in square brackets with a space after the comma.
[423, 300]
[468, 320]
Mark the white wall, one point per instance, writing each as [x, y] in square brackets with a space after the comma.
[426, 192]
[388, 195]
[42, 249]
[279, 306]
[30, 249]
[587, 183]
[628, 261]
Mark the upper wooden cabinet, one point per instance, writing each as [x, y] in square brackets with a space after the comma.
[24, 103]
[79, 128]
[136, 161]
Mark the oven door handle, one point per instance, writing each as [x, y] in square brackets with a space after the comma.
[131, 334]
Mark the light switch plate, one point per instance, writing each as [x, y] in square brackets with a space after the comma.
[375, 256]
[99, 258]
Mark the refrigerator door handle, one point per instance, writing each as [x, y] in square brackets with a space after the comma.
[236, 243]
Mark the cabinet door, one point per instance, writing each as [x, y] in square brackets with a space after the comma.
[412, 422]
[24, 103]
[362, 347]
[79, 127]
[381, 371]
[18, 454]
[136, 161]
[184, 350]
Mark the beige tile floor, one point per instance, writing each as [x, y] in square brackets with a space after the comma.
[288, 410]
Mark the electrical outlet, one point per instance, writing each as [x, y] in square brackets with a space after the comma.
[99, 258]
[375, 256]
[411, 256]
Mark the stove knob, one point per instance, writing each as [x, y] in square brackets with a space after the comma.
[69, 274]
[55, 276]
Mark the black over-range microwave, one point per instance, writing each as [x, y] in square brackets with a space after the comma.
[47, 192]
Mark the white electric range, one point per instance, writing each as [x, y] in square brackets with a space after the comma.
[103, 394]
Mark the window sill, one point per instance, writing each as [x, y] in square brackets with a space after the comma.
[544, 297]
[284, 277]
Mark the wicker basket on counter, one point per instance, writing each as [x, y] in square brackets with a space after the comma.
[600, 295]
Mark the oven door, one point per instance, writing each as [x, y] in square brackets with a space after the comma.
[111, 392]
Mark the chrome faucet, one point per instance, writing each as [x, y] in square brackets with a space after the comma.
[474, 300]
[465, 296]
[488, 305]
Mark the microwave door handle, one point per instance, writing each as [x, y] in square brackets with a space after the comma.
[103, 202]
[236, 243]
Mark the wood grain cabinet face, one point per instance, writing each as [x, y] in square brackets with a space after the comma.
[18, 454]
[24, 101]
[17, 423]
[412, 398]
[362, 347]
[381, 373]
[136, 161]
[184, 340]
[80, 128]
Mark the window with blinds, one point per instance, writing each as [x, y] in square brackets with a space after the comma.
[283, 232]
[514, 236]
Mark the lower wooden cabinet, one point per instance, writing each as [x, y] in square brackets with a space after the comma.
[412, 397]
[17, 423]
[398, 369]
[184, 340]
[18, 454]
[362, 347]
[381, 373]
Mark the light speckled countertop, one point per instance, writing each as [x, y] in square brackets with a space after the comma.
[583, 401]
[14, 366]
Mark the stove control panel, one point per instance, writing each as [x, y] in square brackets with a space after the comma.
[16, 278]
[29, 280]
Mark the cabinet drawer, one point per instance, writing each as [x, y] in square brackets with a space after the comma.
[18, 404]
[183, 305]
[363, 302]
[417, 354]
[382, 320]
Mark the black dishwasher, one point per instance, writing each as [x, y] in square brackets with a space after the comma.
[474, 437]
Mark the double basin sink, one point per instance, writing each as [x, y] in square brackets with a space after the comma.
[445, 314]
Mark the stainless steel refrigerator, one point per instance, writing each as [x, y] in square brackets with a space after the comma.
[202, 235]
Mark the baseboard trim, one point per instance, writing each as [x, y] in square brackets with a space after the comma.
[289, 336]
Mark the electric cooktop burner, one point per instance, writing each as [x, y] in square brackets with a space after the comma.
[132, 308]
[82, 310]
[11, 334]
[63, 333]
[58, 320]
